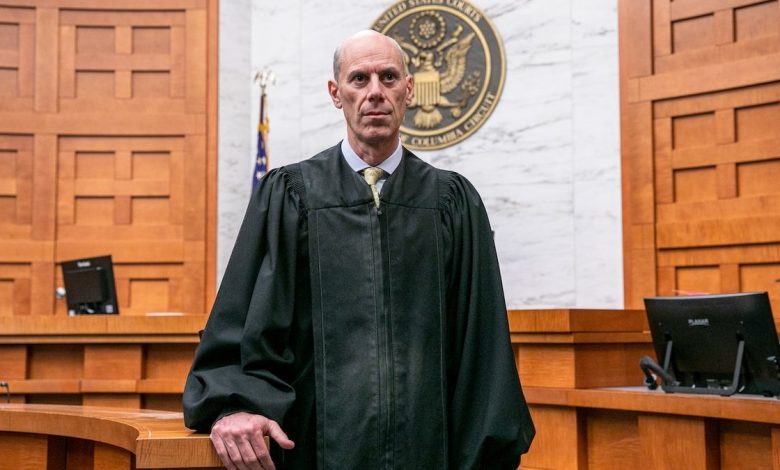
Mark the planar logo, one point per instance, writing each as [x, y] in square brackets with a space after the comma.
[698, 322]
[457, 59]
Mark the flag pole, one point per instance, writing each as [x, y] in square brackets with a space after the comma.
[265, 77]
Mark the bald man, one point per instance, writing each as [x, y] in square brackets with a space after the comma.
[361, 321]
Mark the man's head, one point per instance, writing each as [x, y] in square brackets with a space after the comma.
[372, 87]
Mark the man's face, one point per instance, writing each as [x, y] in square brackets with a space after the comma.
[372, 89]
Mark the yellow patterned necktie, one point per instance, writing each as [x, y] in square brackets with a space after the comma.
[372, 175]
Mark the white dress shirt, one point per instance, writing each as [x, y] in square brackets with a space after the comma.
[357, 164]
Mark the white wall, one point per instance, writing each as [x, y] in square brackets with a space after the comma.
[546, 162]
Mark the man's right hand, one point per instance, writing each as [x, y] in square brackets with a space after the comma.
[238, 440]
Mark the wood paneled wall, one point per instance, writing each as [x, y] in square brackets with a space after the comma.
[107, 146]
[99, 360]
[700, 128]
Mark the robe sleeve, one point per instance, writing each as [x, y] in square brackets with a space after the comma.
[243, 360]
[490, 426]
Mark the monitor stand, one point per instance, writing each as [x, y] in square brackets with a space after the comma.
[725, 391]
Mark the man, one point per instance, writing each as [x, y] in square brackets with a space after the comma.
[357, 329]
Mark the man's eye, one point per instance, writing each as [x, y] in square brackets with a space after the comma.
[359, 78]
[389, 77]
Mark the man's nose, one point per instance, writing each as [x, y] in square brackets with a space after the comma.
[375, 91]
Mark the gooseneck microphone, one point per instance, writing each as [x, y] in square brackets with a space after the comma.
[650, 367]
[4, 384]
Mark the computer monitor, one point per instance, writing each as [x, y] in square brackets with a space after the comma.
[89, 286]
[716, 344]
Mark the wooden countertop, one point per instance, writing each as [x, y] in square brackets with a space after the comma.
[737, 407]
[578, 326]
[101, 328]
[157, 438]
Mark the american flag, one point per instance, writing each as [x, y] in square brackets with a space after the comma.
[261, 159]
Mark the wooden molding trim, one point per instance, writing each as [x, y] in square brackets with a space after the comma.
[737, 407]
[158, 439]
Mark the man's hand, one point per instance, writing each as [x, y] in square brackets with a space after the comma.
[238, 440]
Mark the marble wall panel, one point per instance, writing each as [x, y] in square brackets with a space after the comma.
[546, 162]
[234, 141]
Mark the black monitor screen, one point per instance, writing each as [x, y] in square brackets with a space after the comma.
[89, 286]
[697, 339]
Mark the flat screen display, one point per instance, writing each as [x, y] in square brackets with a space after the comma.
[697, 340]
[89, 286]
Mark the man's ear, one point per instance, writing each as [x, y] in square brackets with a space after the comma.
[333, 91]
[409, 89]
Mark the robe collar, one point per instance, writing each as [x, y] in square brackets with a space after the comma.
[390, 164]
[331, 182]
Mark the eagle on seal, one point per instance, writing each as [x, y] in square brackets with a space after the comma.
[430, 85]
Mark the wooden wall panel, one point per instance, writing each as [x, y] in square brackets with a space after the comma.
[635, 26]
[168, 361]
[13, 361]
[15, 288]
[17, 58]
[111, 458]
[105, 148]
[642, 429]
[147, 374]
[745, 445]
[23, 451]
[129, 362]
[669, 442]
[24, 256]
[710, 73]
[54, 399]
[55, 362]
[162, 402]
[612, 440]
[560, 446]
[114, 400]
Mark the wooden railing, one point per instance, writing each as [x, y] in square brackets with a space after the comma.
[99, 360]
[49, 437]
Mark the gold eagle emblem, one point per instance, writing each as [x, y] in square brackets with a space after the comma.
[456, 57]
[425, 54]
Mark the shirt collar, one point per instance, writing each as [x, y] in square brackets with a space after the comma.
[357, 164]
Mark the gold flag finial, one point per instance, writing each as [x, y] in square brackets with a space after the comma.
[265, 77]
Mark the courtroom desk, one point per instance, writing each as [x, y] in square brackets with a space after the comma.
[632, 427]
[569, 349]
[48, 437]
[100, 360]
[568, 357]
[579, 348]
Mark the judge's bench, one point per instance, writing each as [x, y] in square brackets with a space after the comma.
[579, 370]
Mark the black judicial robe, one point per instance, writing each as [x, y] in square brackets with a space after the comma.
[376, 338]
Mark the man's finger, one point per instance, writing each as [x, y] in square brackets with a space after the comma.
[250, 456]
[222, 452]
[235, 455]
[257, 440]
[263, 452]
[264, 456]
[279, 436]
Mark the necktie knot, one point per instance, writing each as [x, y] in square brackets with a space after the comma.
[372, 175]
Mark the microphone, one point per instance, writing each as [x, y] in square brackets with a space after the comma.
[647, 365]
[4, 384]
